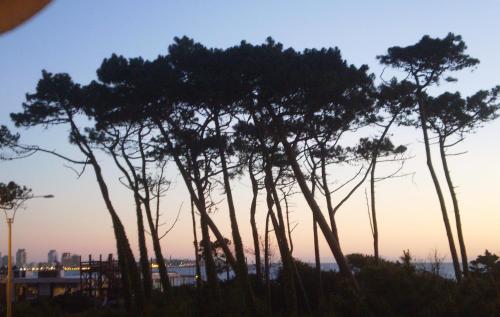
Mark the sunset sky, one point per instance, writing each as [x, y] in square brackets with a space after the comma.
[75, 36]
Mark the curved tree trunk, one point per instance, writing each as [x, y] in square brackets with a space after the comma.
[437, 186]
[458, 221]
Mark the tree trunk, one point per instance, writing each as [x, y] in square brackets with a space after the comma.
[128, 266]
[458, 221]
[372, 188]
[146, 200]
[325, 228]
[241, 267]
[328, 197]
[195, 242]
[210, 270]
[289, 230]
[143, 251]
[294, 264]
[255, 232]
[132, 288]
[317, 260]
[211, 297]
[198, 203]
[437, 186]
[301, 286]
[266, 260]
[160, 260]
[147, 281]
[374, 213]
[286, 258]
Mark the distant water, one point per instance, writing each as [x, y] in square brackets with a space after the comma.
[446, 270]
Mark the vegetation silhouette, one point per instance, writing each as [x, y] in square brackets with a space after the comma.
[426, 63]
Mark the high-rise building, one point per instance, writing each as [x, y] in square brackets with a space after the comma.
[52, 257]
[75, 260]
[21, 257]
[5, 260]
[66, 259]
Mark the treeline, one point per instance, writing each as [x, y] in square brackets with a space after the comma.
[277, 116]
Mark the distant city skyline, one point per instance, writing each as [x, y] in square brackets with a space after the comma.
[21, 258]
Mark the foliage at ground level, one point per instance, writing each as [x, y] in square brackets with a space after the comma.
[387, 289]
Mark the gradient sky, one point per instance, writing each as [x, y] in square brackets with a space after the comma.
[74, 37]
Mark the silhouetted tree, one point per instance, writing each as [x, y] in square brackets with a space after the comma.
[8, 140]
[212, 92]
[113, 101]
[291, 89]
[488, 263]
[195, 243]
[280, 115]
[246, 145]
[115, 144]
[425, 63]
[273, 165]
[57, 101]
[452, 117]
[373, 150]
[313, 165]
[195, 153]
[13, 195]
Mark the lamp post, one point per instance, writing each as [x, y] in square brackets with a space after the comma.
[10, 221]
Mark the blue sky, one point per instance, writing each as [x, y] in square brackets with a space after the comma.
[74, 37]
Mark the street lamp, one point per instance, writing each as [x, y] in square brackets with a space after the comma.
[10, 213]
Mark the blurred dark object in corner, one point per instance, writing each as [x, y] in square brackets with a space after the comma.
[15, 12]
